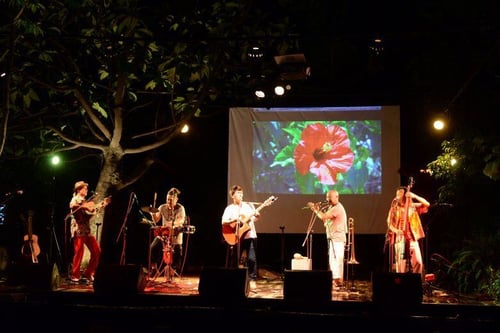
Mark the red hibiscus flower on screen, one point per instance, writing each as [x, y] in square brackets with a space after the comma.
[324, 151]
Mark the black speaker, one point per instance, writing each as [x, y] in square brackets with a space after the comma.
[34, 276]
[114, 279]
[397, 291]
[314, 285]
[223, 284]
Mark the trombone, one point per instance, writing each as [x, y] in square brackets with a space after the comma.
[350, 250]
[350, 243]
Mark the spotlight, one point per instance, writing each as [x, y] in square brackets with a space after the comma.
[185, 128]
[279, 90]
[377, 46]
[438, 124]
[439, 121]
[55, 160]
[260, 93]
[255, 53]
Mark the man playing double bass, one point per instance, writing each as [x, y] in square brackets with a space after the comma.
[405, 230]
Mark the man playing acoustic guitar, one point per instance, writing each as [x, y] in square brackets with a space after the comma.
[82, 211]
[237, 216]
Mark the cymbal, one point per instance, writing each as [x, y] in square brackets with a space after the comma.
[146, 221]
[148, 209]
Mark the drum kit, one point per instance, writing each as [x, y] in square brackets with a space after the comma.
[166, 234]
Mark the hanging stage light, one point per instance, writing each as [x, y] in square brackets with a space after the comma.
[279, 90]
[260, 93]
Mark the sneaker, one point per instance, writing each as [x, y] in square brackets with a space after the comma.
[89, 278]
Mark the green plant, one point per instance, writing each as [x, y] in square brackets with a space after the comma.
[475, 267]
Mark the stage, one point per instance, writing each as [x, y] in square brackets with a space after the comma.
[218, 299]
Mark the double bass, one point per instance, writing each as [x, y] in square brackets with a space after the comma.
[403, 238]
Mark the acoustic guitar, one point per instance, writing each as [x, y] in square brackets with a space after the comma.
[85, 212]
[30, 248]
[232, 232]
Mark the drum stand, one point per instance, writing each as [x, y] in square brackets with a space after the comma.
[165, 269]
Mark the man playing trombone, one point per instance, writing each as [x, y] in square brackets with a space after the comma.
[334, 218]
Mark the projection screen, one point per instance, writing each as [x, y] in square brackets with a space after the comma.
[298, 154]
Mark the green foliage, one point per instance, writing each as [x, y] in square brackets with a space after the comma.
[475, 265]
[493, 289]
[116, 58]
[469, 154]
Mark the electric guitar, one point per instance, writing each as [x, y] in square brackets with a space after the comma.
[30, 247]
[232, 232]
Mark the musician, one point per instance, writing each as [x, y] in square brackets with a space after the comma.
[404, 230]
[82, 211]
[170, 237]
[334, 217]
[241, 214]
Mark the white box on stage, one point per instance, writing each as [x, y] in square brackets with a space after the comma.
[303, 264]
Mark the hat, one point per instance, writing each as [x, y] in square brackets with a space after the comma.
[79, 185]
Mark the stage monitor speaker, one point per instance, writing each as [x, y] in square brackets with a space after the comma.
[397, 291]
[114, 279]
[223, 284]
[34, 276]
[304, 285]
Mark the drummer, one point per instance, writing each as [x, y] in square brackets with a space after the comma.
[173, 216]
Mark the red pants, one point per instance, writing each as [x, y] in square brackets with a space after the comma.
[95, 252]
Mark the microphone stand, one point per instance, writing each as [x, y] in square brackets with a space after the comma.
[308, 238]
[53, 236]
[282, 228]
[238, 245]
[123, 230]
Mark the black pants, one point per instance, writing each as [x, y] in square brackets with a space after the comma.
[247, 257]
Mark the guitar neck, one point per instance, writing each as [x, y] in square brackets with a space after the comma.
[30, 225]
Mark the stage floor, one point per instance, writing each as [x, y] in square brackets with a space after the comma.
[160, 305]
[270, 285]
